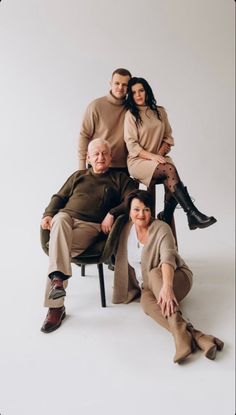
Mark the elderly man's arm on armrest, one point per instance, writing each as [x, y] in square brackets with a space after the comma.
[46, 222]
[107, 223]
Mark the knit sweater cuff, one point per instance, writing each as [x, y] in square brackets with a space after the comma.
[118, 210]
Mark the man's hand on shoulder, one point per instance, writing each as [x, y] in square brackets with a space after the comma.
[46, 222]
[107, 223]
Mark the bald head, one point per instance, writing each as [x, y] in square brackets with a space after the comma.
[99, 155]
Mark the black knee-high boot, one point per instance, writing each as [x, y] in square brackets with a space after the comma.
[169, 207]
[196, 219]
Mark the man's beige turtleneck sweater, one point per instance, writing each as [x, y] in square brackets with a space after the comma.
[104, 118]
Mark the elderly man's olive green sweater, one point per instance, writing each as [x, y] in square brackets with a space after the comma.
[89, 196]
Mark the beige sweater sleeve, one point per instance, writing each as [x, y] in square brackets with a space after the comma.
[168, 252]
[131, 135]
[86, 134]
[160, 248]
[168, 138]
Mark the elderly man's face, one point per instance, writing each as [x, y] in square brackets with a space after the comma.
[99, 156]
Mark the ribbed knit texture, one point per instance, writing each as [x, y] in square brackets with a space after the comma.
[149, 136]
[159, 248]
[89, 196]
[104, 118]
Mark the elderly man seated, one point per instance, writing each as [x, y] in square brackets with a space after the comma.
[86, 205]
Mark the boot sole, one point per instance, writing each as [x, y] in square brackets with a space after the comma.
[55, 294]
[182, 358]
[219, 343]
[203, 226]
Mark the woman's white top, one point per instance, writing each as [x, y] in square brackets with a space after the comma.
[134, 248]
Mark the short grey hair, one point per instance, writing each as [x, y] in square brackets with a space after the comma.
[99, 141]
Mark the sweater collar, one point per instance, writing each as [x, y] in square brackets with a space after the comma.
[90, 171]
[143, 108]
[115, 101]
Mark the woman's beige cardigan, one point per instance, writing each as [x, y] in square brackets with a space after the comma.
[149, 136]
[159, 248]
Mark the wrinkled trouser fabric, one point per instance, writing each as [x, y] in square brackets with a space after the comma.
[69, 237]
[149, 296]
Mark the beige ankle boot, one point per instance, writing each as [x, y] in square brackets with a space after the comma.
[209, 344]
[183, 339]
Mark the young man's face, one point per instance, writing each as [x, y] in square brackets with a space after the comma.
[99, 156]
[119, 85]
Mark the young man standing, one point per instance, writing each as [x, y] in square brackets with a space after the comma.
[104, 118]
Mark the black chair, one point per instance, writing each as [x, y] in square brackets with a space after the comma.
[101, 251]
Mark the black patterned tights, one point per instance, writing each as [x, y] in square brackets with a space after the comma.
[168, 175]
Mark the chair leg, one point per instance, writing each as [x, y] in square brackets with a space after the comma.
[82, 270]
[102, 285]
[152, 190]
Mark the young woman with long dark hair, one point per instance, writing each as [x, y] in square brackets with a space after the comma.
[148, 137]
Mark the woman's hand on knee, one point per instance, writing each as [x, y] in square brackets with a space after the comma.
[167, 301]
[158, 158]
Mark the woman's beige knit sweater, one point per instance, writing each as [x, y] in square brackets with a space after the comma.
[149, 136]
[160, 248]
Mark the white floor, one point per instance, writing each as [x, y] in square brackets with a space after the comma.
[114, 360]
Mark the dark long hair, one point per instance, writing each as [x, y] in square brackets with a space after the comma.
[150, 99]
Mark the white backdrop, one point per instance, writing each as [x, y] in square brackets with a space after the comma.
[55, 57]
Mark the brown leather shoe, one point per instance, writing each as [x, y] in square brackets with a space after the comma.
[57, 290]
[53, 319]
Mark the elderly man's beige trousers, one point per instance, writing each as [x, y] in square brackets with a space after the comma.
[69, 237]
